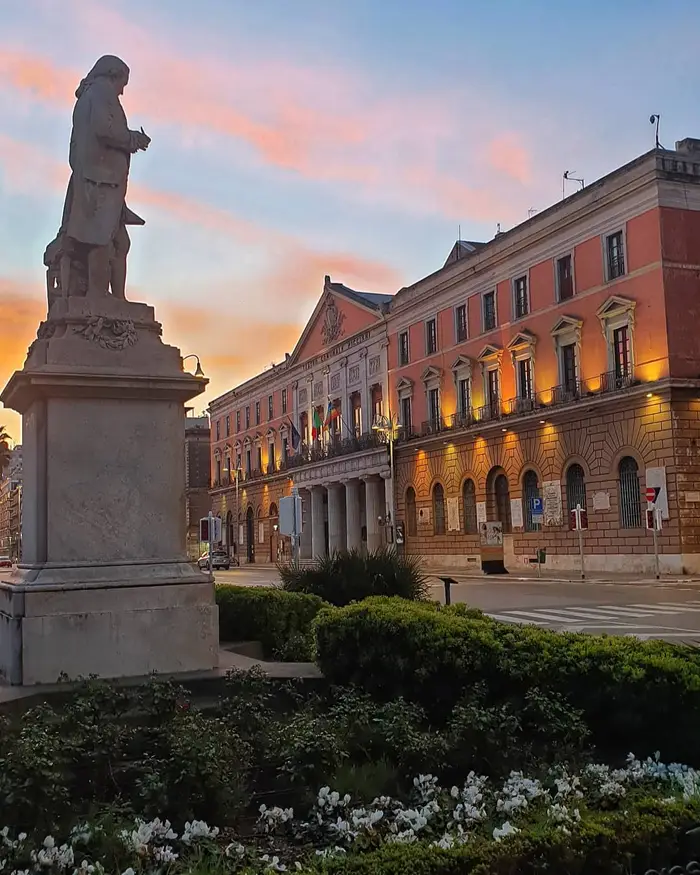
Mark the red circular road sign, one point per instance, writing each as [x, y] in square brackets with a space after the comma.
[651, 495]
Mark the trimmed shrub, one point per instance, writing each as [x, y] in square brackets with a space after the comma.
[632, 694]
[352, 576]
[280, 621]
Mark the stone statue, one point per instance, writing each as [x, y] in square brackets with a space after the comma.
[88, 255]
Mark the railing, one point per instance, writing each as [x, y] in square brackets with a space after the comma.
[566, 394]
[461, 420]
[614, 381]
[432, 426]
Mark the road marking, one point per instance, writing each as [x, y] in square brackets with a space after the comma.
[554, 614]
[502, 618]
[577, 615]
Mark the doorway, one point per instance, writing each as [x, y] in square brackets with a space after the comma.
[250, 534]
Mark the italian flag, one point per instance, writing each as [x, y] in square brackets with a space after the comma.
[316, 425]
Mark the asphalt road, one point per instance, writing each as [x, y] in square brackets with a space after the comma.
[668, 610]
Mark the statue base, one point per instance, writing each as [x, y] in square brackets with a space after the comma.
[104, 587]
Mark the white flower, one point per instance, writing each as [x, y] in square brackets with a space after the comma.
[502, 832]
[235, 850]
[198, 829]
[128, 871]
[165, 854]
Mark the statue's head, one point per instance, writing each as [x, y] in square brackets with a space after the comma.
[108, 67]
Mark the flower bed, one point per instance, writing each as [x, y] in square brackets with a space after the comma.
[280, 621]
[597, 821]
[631, 693]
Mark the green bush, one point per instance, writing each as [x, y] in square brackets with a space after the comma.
[633, 695]
[609, 844]
[352, 576]
[279, 620]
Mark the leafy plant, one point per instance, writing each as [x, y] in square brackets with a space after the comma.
[350, 576]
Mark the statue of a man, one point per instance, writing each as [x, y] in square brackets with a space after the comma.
[89, 253]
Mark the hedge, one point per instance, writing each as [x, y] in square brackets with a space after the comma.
[608, 844]
[634, 695]
[280, 620]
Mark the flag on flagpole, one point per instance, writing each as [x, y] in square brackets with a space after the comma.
[296, 437]
[316, 425]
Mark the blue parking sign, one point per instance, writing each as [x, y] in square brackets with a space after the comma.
[536, 507]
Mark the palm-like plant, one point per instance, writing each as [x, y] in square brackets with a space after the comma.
[4, 449]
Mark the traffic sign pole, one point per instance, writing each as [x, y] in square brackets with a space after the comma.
[211, 541]
[580, 540]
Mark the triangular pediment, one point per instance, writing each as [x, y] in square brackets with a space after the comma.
[462, 361]
[403, 384]
[271, 433]
[522, 339]
[567, 323]
[431, 373]
[340, 314]
[614, 306]
[490, 352]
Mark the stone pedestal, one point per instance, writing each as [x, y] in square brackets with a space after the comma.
[104, 586]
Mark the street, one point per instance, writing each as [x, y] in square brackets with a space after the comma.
[646, 610]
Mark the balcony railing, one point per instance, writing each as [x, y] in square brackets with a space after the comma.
[432, 426]
[614, 381]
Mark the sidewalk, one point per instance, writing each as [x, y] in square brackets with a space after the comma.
[524, 574]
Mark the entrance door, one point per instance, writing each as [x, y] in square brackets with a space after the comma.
[250, 534]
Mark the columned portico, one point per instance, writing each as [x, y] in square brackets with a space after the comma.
[353, 514]
[336, 518]
[318, 523]
[374, 503]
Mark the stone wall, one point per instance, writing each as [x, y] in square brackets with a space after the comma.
[596, 436]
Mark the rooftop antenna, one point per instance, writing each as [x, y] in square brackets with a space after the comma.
[568, 176]
[531, 212]
[655, 119]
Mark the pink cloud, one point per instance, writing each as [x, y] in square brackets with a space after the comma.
[507, 154]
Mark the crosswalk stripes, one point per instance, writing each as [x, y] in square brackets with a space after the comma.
[599, 614]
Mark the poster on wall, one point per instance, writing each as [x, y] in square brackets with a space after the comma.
[601, 501]
[452, 514]
[240, 534]
[424, 516]
[551, 494]
[516, 513]
[657, 477]
[480, 512]
[261, 533]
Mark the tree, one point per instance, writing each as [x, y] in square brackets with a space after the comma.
[4, 449]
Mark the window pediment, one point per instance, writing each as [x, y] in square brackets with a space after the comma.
[616, 306]
[247, 442]
[271, 433]
[522, 340]
[258, 439]
[490, 353]
[404, 388]
[237, 446]
[431, 374]
[217, 453]
[462, 368]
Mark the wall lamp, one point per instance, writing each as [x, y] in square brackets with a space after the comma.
[198, 372]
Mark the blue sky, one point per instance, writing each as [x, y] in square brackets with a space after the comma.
[295, 140]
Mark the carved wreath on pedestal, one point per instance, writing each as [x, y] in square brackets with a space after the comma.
[109, 333]
[332, 328]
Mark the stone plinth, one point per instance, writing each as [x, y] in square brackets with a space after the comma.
[105, 586]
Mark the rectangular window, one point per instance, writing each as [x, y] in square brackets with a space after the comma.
[238, 420]
[522, 305]
[615, 255]
[621, 352]
[228, 424]
[493, 391]
[285, 448]
[464, 398]
[238, 461]
[525, 378]
[461, 323]
[403, 348]
[271, 458]
[406, 416]
[218, 472]
[270, 407]
[357, 419]
[565, 278]
[258, 459]
[257, 413]
[489, 302]
[568, 367]
[434, 407]
[247, 463]
[430, 336]
[218, 429]
[247, 417]
[284, 400]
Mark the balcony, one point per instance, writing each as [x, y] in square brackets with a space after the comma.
[432, 426]
[615, 381]
[334, 448]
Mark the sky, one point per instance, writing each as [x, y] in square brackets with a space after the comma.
[294, 140]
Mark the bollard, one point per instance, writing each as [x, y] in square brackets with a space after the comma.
[447, 582]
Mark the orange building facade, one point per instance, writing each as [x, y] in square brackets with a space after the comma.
[554, 366]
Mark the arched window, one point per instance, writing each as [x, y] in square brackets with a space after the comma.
[575, 488]
[530, 490]
[502, 496]
[628, 494]
[411, 519]
[438, 509]
[469, 501]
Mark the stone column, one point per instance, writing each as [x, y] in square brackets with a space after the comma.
[336, 518]
[318, 534]
[352, 514]
[374, 502]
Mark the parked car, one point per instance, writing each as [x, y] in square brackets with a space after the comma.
[219, 559]
[5, 562]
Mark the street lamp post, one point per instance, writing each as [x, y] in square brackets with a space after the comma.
[389, 426]
[228, 470]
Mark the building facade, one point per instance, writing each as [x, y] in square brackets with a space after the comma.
[307, 424]
[197, 479]
[11, 507]
[556, 366]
